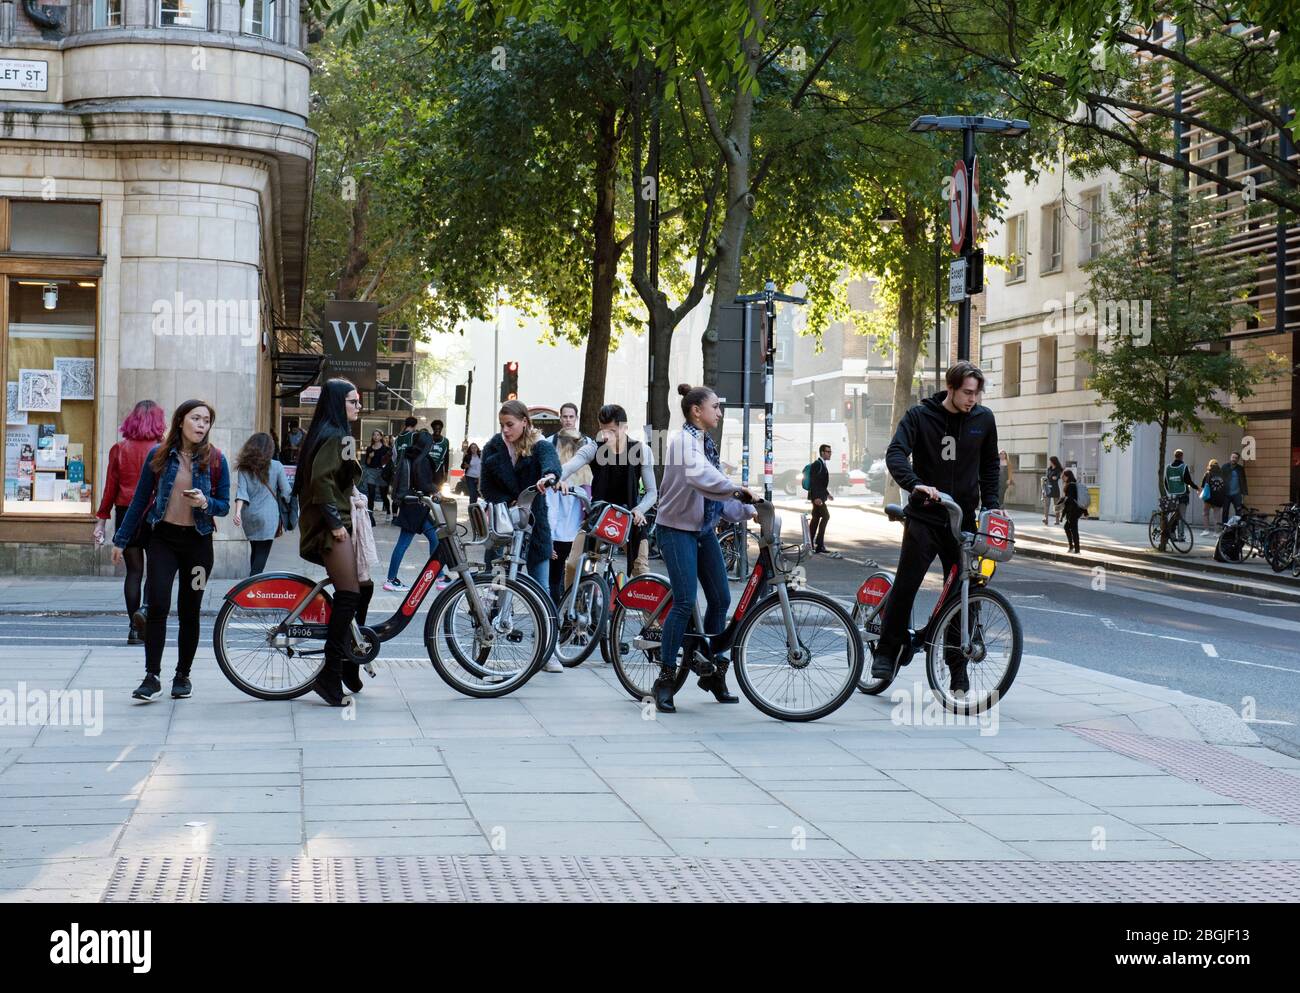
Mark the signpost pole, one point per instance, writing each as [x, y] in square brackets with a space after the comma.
[964, 307]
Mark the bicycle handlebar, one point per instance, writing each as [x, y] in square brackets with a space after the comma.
[955, 513]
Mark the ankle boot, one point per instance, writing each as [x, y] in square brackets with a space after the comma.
[717, 682]
[664, 689]
[329, 682]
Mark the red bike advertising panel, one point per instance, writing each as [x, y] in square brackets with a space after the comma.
[282, 593]
[645, 593]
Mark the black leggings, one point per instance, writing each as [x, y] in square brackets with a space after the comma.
[561, 550]
[1072, 529]
[260, 551]
[377, 489]
[133, 556]
[174, 550]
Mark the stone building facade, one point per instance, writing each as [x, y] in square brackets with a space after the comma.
[155, 185]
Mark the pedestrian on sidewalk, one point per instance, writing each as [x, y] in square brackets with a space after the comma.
[1005, 482]
[372, 473]
[440, 456]
[819, 492]
[472, 467]
[1074, 509]
[184, 486]
[1234, 478]
[143, 428]
[414, 479]
[261, 485]
[565, 511]
[1178, 484]
[1213, 492]
[328, 471]
[1052, 489]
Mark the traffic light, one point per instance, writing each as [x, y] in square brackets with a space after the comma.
[510, 381]
[848, 409]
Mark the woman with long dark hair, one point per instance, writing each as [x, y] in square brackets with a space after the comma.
[1052, 489]
[184, 486]
[143, 428]
[372, 473]
[328, 471]
[472, 466]
[1074, 508]
[262, 485]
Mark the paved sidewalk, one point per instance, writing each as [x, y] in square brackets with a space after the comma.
[569, 789]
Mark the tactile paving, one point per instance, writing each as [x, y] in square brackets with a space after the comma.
[1223, 772]
[556, 879]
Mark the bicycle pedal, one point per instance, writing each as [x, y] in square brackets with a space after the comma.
[370, 670]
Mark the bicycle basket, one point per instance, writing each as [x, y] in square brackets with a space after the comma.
[996, 537]
[612, 525]
[501, 522]
[1168, 504]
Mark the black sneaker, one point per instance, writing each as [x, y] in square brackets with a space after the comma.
[960, 681]
[150, 689]
[181, 688]
[883, 666]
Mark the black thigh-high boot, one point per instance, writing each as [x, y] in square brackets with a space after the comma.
[351, 669]
[329, 684]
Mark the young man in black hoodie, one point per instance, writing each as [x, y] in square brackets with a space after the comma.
[947, 443]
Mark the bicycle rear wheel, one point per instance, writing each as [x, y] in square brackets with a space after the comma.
[806, 682]
[994, 658]
[1180, 536]
[634, 647]
[582, 621]
[503, 658]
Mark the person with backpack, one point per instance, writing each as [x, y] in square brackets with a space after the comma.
[817, 478]
[1076, 506]
[143, 428]
[184, 486]
[1213, 492]
[261, 485]
[414, 479]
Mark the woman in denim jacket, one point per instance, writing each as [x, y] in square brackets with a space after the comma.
[184, 486]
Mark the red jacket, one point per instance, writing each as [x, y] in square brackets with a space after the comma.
[124, 462]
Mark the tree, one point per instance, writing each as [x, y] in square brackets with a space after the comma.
[1163, 307]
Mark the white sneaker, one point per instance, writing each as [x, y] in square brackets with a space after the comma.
[395, 586]
[552, 665]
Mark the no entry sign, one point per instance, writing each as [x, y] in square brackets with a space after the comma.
[957, 206]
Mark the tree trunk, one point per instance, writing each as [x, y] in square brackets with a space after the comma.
[1160, 476]
[604, 269]
[358, 256]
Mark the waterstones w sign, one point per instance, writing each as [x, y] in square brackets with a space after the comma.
[349, 333]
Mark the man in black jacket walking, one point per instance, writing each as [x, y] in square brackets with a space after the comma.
[819, 492]
[946, 443]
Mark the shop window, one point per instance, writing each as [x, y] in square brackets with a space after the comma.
[50, 395]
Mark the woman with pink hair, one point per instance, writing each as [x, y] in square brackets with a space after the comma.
[143, 428]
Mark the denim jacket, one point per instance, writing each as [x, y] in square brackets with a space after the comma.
[218, 502]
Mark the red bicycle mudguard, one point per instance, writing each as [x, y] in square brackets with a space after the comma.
[646, 593]
[280, 591]
[873, 590]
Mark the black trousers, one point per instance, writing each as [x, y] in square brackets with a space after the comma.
[259, 552]
[562, 550]
[133, 556]
[175, 551]
[922, 541]
[820, 515]
[1072, 529]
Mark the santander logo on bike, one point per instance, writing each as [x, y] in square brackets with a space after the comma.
[417, 592]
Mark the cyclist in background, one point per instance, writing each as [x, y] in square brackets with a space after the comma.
[620, 469]
[695, 495]
[949, 443]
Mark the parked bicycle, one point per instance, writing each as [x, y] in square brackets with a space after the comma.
[796, 653]
[969, 623]
[1243, 537]
[484, 638]
[732, 536]
[1168, 527]
[1282, 540]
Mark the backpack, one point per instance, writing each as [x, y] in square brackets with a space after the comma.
[1217, 489]
[1083, 499]
[807, 477]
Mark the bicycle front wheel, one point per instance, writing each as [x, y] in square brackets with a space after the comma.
[990, 666]
[501, 656]
[582, 621]
[806, 681]
[1180, 536]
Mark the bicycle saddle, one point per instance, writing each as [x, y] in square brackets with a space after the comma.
[894, 512]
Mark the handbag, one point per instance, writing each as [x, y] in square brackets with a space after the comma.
[1205, 493]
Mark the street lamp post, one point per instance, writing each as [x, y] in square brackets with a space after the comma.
[973, 261]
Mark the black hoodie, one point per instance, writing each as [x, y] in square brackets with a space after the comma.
[971, 478]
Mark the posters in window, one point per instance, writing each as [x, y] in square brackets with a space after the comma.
[77, 378]
[40, 391]
[12, 414]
